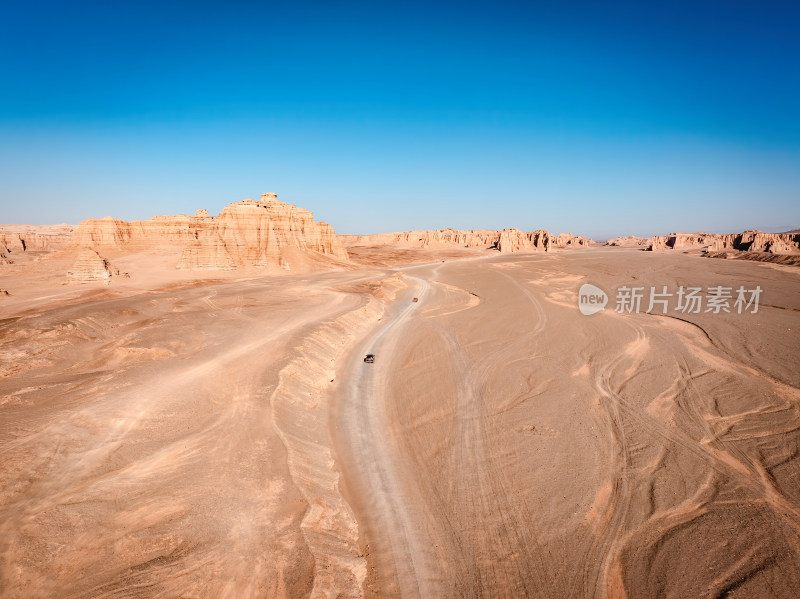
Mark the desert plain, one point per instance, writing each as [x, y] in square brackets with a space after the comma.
[200, 432]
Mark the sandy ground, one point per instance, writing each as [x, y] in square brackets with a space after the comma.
[226, 439]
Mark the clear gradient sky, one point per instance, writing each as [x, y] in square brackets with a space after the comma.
[599, 118]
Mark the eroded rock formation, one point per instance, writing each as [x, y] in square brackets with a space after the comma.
[18, 240]
[514, 240]
[246, 233]
[676, 241]
[568, 240]
[629, 241]
[446, 237]
[748, 241]
[91, 267]
[254, 232]
[209, 254]
[506, 241]
[140, 234]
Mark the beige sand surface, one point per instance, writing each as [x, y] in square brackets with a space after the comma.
[504, 445]
[224, 438]
[141, 450]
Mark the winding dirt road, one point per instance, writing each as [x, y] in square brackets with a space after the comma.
[364, 429]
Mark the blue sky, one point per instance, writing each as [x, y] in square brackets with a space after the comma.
[596, 118]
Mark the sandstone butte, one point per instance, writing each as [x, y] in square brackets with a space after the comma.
[260, 233]
[506, 241]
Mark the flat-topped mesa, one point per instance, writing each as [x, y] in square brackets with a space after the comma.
[264, 233]
[748, 241]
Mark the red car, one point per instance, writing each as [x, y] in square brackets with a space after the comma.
[416, 299]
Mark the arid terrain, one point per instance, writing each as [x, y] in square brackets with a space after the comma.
[186, 432]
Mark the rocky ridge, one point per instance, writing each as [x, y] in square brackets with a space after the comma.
[506, 241]
[258, 233]
[748, 241]
[20, 240]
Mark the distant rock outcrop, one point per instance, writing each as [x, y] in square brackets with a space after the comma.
[629, 241]
[568, 240]
[757, 241]
[91, 267]
[748, 241]
[441, 237]
[505, 241]
[261, 233]
[140, 234]
[676, 241]
[514, 240]
[18, 240]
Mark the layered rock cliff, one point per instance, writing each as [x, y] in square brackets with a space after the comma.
[247, 233]
[19, 240]
[514, 240]
[676, 241]
[91, 267]
[141, 234]
[254, 232]
[748, 241]
[206, 254]
[757, 241]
